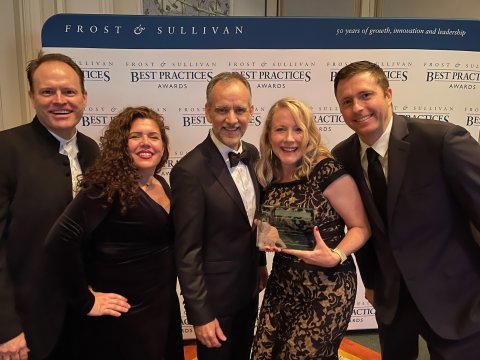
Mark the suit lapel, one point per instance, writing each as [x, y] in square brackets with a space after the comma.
[86, 152]
[220, 171]
[81, 149]
[398, 151]
[49, 145]
[357, 168]
[253, 175]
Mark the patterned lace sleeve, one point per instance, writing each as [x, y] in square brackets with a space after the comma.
[327, 171]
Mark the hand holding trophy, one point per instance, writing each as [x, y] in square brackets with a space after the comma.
[283, 227]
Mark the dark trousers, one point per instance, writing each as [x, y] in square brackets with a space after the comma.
[238, 328]
[399, 340]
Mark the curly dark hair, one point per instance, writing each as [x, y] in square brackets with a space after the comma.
[114, 173]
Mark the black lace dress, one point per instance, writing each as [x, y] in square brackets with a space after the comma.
[306, 309]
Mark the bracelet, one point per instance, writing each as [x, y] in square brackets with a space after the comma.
[341, 254]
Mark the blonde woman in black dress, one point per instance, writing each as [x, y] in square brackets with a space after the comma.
[310, 295]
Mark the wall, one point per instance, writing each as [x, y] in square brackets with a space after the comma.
[21, 22]
[10, 103]
[20, 25]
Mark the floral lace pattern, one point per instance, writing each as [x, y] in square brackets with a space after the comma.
[306, 309]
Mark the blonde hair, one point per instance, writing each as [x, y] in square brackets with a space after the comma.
[269, 167]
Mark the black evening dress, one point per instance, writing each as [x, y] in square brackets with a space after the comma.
[94, 244]
[306, 309]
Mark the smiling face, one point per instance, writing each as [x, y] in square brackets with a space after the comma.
[57, 97]
[286, 138]
[365, 106]
[229, 111]
[145, 145]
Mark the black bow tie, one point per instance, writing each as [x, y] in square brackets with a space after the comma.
[235, 158]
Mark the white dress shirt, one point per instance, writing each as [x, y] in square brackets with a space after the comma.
[241, 177]
[70, 148]
[381, 147]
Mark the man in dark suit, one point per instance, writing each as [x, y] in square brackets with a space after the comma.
[421, 268]
[38, 169]
[214, 201]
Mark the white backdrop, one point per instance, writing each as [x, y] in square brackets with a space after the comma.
[431, 76]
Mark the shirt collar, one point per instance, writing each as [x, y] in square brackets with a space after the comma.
[63, 142]
[224, 149]
[381, 145]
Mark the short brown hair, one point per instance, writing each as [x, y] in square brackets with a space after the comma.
[358, 67]
[33, 65]
[227, 77]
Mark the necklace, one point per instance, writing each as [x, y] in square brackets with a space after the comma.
[147, 186]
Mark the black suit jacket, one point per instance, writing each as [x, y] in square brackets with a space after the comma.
[216, 256]
[433, 194]
[35, 188]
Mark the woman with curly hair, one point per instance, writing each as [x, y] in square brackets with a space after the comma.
[112, 248]
[310, 293]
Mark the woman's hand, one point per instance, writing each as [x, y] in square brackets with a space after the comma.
[14, 349]
[321, 255]
[108, 304]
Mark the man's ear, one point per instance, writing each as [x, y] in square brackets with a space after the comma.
[207, 112]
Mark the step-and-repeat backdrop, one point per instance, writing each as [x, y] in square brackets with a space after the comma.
[166, 62]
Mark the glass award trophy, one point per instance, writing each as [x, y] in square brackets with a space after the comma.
[285, 227]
